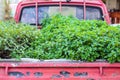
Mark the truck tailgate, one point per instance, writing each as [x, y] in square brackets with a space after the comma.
[59, 70]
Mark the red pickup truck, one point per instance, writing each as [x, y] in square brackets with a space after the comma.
[32, 12]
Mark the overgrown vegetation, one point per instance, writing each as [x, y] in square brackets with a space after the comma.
[15, 38]
[62, 37]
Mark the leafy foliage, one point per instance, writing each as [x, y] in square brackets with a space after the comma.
[63, 37]
[68, 37]
[15, 38]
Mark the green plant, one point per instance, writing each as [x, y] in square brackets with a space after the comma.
[15, 38]
[61, 37]
[67, 37]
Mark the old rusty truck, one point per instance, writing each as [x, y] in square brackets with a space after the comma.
[32, 12]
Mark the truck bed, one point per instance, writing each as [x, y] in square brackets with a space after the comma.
[58, 70]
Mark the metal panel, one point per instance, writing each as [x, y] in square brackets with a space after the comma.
[66, 70]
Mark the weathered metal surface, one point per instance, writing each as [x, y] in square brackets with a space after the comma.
[55, 70]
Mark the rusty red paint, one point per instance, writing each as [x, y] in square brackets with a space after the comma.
[59, 70]
[95, 3]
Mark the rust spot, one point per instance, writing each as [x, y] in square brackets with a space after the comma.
[115, 74]
[56, 76]
[65, 73]
[90, 79]
[38, 74]
[16, 74]
[81, 74]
